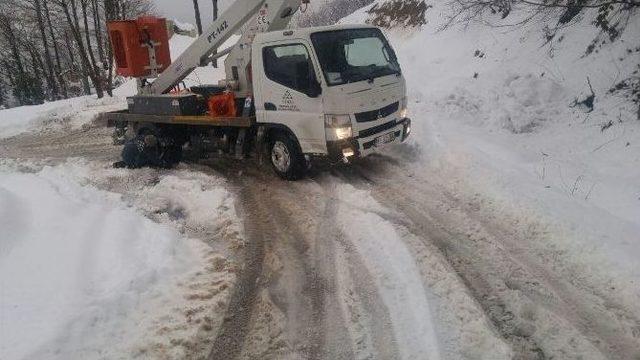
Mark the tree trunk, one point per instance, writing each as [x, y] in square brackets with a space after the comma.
[35, 84]
[196, 9]
[72, 55]
[3, 98]
[74, 23]
[215, 17]
[10, 36]
[58, 67]
[98, 31]
[87, 35]
[51, 79]
[110, 13]
[75, 31]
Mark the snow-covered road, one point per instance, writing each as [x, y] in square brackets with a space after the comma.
[376, 260]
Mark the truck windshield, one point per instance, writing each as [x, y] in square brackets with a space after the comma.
[353, 55]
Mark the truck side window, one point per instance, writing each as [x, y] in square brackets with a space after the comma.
[289, 65]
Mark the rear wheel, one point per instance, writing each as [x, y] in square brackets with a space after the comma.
[148, 149]
[286, 158]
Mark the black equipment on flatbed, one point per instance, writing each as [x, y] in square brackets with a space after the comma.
[167, 104]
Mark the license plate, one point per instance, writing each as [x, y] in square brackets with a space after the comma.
[385, 139]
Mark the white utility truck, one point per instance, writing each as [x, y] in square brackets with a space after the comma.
[295, 95]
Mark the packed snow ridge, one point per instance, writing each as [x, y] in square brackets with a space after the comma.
[85, 274]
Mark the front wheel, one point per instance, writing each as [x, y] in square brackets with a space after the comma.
[286, 158]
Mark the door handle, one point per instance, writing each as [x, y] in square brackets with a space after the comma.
[270, 107]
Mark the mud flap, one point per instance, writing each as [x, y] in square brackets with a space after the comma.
[242, 137]
[260, 144]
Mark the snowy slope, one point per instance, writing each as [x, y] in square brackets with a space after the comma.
[493, 118]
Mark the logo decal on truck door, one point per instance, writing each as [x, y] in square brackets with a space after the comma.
[288, 104]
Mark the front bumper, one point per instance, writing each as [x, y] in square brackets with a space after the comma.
[367, 142]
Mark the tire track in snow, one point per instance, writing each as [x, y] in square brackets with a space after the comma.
[524, 300]
[230, 339]
[395, 275]
[354, 295]
[286, 313]
[315, 287]
[12, 222]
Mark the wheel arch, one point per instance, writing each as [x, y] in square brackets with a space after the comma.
[271, 129]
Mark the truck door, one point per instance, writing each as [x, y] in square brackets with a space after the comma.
[290, 93]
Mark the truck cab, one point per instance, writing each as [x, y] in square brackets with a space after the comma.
[338, 91]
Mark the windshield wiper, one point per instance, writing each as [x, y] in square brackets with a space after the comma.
[381, 72]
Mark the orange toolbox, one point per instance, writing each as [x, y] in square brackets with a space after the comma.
[131, 41]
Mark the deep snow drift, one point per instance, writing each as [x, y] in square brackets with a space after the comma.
[76, 260]
[85, 274]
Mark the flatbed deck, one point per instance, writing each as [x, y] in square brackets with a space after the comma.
[112, 118]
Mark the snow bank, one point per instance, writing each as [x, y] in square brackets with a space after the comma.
[73, 112]
[84, 275]
[72, 256]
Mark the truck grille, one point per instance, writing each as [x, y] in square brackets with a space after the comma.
[378, 129]
[377, 114]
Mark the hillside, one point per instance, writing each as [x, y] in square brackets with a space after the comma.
[498, 106]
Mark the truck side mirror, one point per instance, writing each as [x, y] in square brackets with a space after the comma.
[315, 89]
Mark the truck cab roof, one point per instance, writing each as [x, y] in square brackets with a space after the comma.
[304, 33]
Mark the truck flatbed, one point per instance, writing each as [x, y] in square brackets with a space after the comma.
[115, 117]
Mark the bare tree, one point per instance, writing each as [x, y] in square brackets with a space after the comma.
[196, 9]
[59, 48]
[331, 12]
[51, 78]
[56, 51]
[215, 17]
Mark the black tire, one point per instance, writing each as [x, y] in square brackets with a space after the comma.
[140, 152]
[136, 154]
[286, 158]
[172, 156]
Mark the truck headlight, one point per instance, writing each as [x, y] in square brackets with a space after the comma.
[404, 108]
[338, 127]
[344, 133]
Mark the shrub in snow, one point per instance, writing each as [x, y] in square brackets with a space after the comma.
[184, 29]
[630, 88]
[330, 12]
[586, 102]
[399, 13]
